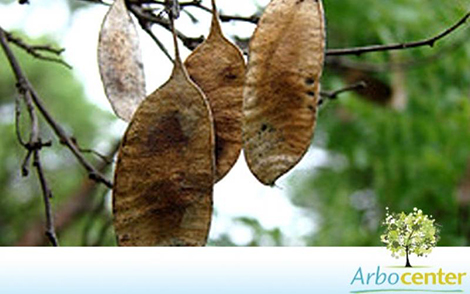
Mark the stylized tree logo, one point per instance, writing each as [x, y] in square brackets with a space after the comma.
[410, 233]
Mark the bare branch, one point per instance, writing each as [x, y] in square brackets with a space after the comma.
[146, 18]
[254, 19]
[378, 48]
[34, 145]
[146, 25]
[66, 140]
[80, 202]
[172, 7]
[191, 43]
[47, 195]
[334, 94]
[223, 17]
[26, 87]
[158, 42]
[338, 62]
[97, 154]
[35, 51]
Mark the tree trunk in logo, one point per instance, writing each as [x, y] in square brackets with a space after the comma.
[408, 257]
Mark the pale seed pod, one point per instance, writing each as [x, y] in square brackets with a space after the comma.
[282, 86]
[120, 61]
[217, 66]
[165, 170]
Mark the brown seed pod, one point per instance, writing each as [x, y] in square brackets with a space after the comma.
[120, 61]
[217, 66]
[165, 169]
[282, 86]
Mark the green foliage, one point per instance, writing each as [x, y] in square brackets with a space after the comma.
[379, 156]
[410, 233]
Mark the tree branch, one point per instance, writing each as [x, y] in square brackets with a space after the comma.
[147, 18]
[223, 17]
[25, 87]
[378, 48]
[136, 7]
[35, 50]
[80, 202]
[47, 195]
[334, 94]
[34, 145]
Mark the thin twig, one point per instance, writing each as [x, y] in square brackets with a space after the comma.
[59, 131]
[223, 17]
[97, 154]
[173, 8]
[76, 205]
[35, 50]
[190, 42]
[47, 195]
[377, 48]
[34, 145]
[159, 43]
[147, 27]
[95, 2]
[145, 16]
[66, 140]
[19, 137]
[341, 63]
[334, 94]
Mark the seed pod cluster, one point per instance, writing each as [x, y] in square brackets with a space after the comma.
[181, 140]
[218, 68]
[282, 86]
[120, 61]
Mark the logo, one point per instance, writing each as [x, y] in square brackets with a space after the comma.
[409, 233]
[405, 235]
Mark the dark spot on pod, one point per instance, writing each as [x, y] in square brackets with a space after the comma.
[229, 73]
[231, 76]
[166, 133]
[219, 146]
[309, 81]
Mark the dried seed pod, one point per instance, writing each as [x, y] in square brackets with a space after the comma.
[282, 86]
[165, 170]
[120, 61]
[217, 66]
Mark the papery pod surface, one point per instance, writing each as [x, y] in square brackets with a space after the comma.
[217, 66]
[282, 86]
[165, 170]
[120, 61]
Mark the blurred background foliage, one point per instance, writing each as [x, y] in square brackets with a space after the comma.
[401, 143]
[21, 206]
